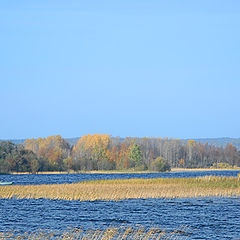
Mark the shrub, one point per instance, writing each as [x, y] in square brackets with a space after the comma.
[221, 165]
[160, 165]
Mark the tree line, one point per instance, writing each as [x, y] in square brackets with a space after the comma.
[103, 152]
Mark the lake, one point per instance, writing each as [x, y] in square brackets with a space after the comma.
[201, 218]
[36, 179]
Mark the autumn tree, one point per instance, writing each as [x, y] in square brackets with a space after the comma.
[102, 152]
[52, 150]
[231, 155]
[91, 153]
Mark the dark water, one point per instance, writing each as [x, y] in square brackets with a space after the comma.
[205, 218]
[35, 179]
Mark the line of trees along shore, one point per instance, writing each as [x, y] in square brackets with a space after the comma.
[103, 152]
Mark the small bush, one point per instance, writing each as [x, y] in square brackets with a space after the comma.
[160, 165]
[222, 165]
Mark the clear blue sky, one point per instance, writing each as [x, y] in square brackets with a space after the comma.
[126, 67]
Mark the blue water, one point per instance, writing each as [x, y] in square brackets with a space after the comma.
[204, 218]
[35, 179]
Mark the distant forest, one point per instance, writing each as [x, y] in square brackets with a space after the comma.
[217, 142]
[103, 152]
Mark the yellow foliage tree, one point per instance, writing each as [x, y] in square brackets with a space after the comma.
[54, 149]
[94, 149]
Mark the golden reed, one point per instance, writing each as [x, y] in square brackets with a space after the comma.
[113, 232]
[128, 189]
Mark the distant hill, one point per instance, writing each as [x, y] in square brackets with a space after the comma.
[71, 141]
[218, 142]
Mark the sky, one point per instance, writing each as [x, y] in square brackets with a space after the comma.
[125, 67]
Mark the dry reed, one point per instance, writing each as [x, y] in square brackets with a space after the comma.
[112, 232]
[128, 189]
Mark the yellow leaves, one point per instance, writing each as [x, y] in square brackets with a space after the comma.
[94, 148]
[181, 162]
[51, 148]
[31, 144]
[191, 142]
[92, 142]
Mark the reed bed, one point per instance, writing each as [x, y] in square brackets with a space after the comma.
[120, 189]
[204, 169]
[112, 232]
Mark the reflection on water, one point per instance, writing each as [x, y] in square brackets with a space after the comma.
[210, 218]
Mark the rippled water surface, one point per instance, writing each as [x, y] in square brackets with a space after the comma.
[34, 179]
[206, 218]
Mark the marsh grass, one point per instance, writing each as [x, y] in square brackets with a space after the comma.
[113, 232]
[204, 169]
[120, 189]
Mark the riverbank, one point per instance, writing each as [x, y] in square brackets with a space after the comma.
[209, 186]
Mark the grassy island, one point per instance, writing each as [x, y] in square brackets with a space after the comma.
[128, 189]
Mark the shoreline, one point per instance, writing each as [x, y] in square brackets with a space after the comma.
[174, 170]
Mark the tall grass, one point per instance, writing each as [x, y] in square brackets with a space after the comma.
[128, 189]
[112, 232]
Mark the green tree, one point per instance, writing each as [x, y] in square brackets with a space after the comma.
[4, 167]
[34, 165]
[14, 157]
[7, 149]
[135, 155]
